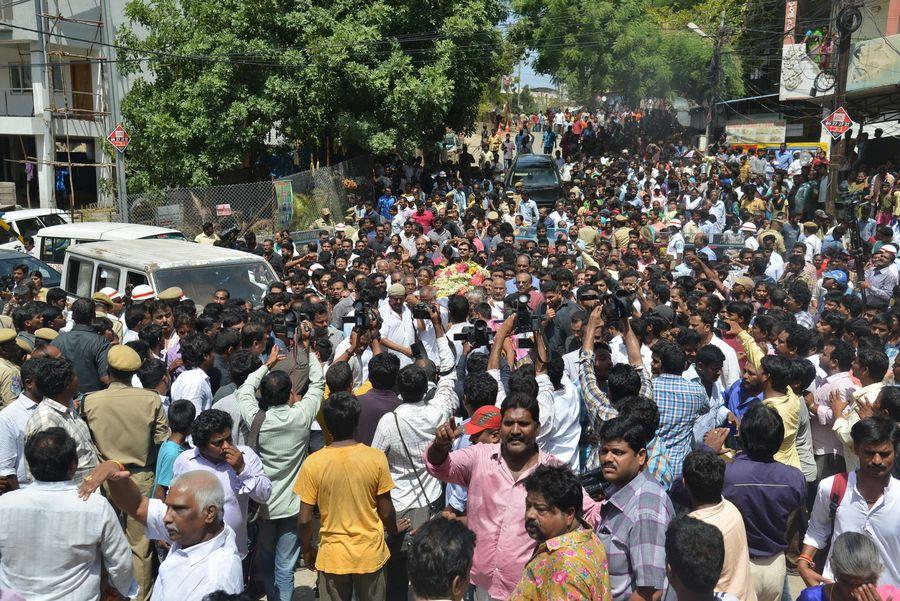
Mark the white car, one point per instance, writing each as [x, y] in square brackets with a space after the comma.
[198, 269]
[28, 222]
[56, 239]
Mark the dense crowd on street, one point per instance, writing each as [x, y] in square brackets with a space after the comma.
[679, 381]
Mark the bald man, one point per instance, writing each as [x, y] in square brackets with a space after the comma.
[191, 515]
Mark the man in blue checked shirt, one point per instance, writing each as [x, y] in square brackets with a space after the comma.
[680, 402]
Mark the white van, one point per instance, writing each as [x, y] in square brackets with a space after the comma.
[55, 240]
[198, 269]
[28, 222]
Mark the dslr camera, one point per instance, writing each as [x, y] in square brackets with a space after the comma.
[286, 324]
[421, 310]
[477, 334]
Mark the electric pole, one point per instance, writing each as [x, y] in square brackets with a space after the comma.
[112, 80]
[715, 77]
[836, 156]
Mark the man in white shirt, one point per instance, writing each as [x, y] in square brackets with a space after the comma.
[836, 361]
[795, 167]
[13, 420]
[749, 231]
[675, 247]
[426, 333]
[718, 209]
[702, 322]
[559, 214]
[238, 469]
[193, 383]
[563, 443]
[53, 542]
[397, 331]
[203, 557]
[408, 237]
[811, 240]
[869, 505]
[404, 435]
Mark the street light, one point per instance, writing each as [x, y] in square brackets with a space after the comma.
[696, 29]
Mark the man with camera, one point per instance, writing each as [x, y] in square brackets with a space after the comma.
[557, 311]
[397, 330]
[403, 434]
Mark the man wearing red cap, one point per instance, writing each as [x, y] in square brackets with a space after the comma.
[484, 426]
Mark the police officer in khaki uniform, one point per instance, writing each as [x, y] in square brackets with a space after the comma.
[44, 336]
[10, 358]
[127, 425]
[171, 295]
[324, 222]
[105, 304]
[774, 229]
[620, 235]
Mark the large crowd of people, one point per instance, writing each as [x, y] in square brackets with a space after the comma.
[676, 382]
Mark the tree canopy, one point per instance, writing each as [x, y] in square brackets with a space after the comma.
[628, 47]
[225, 75]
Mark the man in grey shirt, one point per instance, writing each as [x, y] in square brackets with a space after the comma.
[438, 234]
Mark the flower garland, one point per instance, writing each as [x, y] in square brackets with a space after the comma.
[459, 278]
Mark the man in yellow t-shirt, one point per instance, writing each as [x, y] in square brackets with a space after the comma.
[350, 483]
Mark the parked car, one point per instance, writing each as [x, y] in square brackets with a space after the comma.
[55, 240]
[11, 258]
[539, 177]
[198, 269]
[27, 222]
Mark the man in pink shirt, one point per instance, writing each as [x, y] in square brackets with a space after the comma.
[423, 217]
[494, 474]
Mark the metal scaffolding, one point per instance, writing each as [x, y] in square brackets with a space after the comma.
[65, 103]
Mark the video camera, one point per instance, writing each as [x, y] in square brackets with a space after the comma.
[362, 315]
[526, 321]
[477, 334]
[592, 481]
[228, 236]
[622, 300]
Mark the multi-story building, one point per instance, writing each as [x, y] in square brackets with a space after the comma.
[55, 99]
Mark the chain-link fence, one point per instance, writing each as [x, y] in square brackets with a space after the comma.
[292, 202]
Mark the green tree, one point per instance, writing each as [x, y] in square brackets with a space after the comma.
[225, 74]
[623, 47]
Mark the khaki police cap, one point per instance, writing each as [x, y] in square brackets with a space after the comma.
[7, 334]
[99, 297]
[47, 334]
[24, 344]
[123, 358]
[170, 294]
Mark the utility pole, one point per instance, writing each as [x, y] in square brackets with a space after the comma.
[113, 100]
[836, 156]
[519, 90]
[45, 144]
[715, 76]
